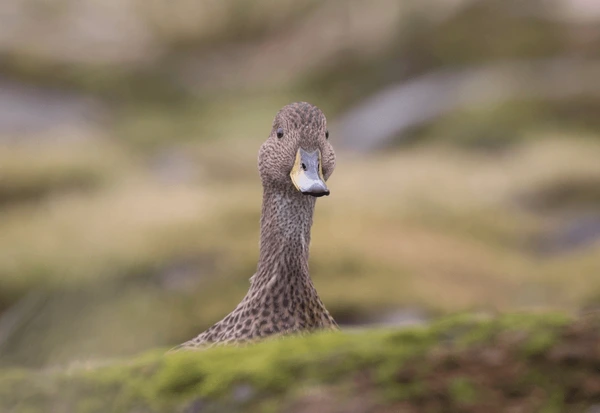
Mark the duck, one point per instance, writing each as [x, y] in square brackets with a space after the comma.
[294, 164]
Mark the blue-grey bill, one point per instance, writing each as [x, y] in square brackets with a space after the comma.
[307, 173]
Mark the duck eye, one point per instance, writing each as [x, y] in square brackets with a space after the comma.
[326, 134]
[280, 133]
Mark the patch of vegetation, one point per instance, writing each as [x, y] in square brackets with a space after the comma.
[178, 33]
[33, 173]
[509, 34]
[568, 193]
[422, 369]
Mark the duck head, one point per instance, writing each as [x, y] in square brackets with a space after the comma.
[297, 156]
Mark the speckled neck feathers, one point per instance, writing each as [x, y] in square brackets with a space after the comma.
[282, 298]
[285, 226]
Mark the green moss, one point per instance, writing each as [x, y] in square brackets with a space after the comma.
[462, 390]
[469, 329]
[539, 343]
[555, 403]
[406, 392]
[268, 373]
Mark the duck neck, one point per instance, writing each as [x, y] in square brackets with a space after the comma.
[285, 226]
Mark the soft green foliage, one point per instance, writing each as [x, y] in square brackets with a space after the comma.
[272, 372]
[463, 391]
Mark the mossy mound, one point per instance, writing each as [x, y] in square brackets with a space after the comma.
[522, 362]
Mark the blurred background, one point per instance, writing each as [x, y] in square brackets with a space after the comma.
[468, 177]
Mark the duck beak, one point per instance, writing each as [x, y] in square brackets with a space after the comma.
[307, 173]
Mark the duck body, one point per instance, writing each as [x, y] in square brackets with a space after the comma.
[294, 164]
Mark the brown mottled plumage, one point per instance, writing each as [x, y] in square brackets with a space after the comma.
[282, 298]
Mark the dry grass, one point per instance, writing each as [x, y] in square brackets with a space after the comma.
[32, 171]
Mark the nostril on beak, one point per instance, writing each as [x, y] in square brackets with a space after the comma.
[303, 166]
[317, 193]
[317, 190]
